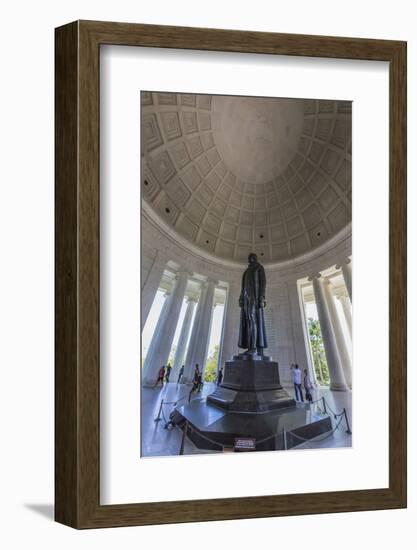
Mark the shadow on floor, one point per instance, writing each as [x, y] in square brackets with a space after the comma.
[45, 510]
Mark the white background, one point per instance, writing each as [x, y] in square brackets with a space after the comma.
[26, 301]
[125, 478]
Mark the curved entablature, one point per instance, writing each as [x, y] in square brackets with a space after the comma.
[172, 245]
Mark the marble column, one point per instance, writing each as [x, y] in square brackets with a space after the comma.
[347, 311]
[162, 339]
[198, 347]
[337, 377]
[230, 333]
[189, 365]
[183, 339]
[203, 339]
[156, 336]
[150, 286]
[338, 332]
[298, 334]
[346, 268]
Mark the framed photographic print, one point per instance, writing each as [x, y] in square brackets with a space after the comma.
[230, 274]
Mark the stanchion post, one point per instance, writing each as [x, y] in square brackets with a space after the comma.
[184, 433]
[284, 435]
[348, 430]
[324, 404]
[158, 418]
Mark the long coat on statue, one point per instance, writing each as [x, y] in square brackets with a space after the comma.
[252, 332]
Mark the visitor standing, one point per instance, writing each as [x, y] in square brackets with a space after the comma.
[308, 386]
[200, 381]
[168, 372]
[161, 376]
[180, 374]
[296, 378]
[220, 376]
[196, 378]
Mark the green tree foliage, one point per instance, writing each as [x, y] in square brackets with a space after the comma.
[172, 355]
[210, 372]
[317, 351]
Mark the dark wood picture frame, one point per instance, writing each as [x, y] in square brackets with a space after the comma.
[77, 373]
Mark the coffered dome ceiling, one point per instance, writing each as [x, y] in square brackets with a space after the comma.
[239, 174]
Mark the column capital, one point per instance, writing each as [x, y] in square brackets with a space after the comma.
[341, 294]
[346, 267]
[182, 273]
[192, 298]
[343, 262]
[160, 259]
[314, 276]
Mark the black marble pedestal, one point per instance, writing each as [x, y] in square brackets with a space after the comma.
[250, 404]
[210, 427]
[250, 384]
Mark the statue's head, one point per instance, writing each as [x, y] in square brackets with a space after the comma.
[252, 258]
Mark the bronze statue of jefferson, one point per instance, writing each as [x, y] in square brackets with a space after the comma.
[252, 335]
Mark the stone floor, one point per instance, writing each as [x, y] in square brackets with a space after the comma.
[158, 441]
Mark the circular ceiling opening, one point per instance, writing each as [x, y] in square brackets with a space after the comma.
[256, 138]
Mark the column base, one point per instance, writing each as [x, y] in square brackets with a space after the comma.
[185, 381]
[339, 387]
[150, 383]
